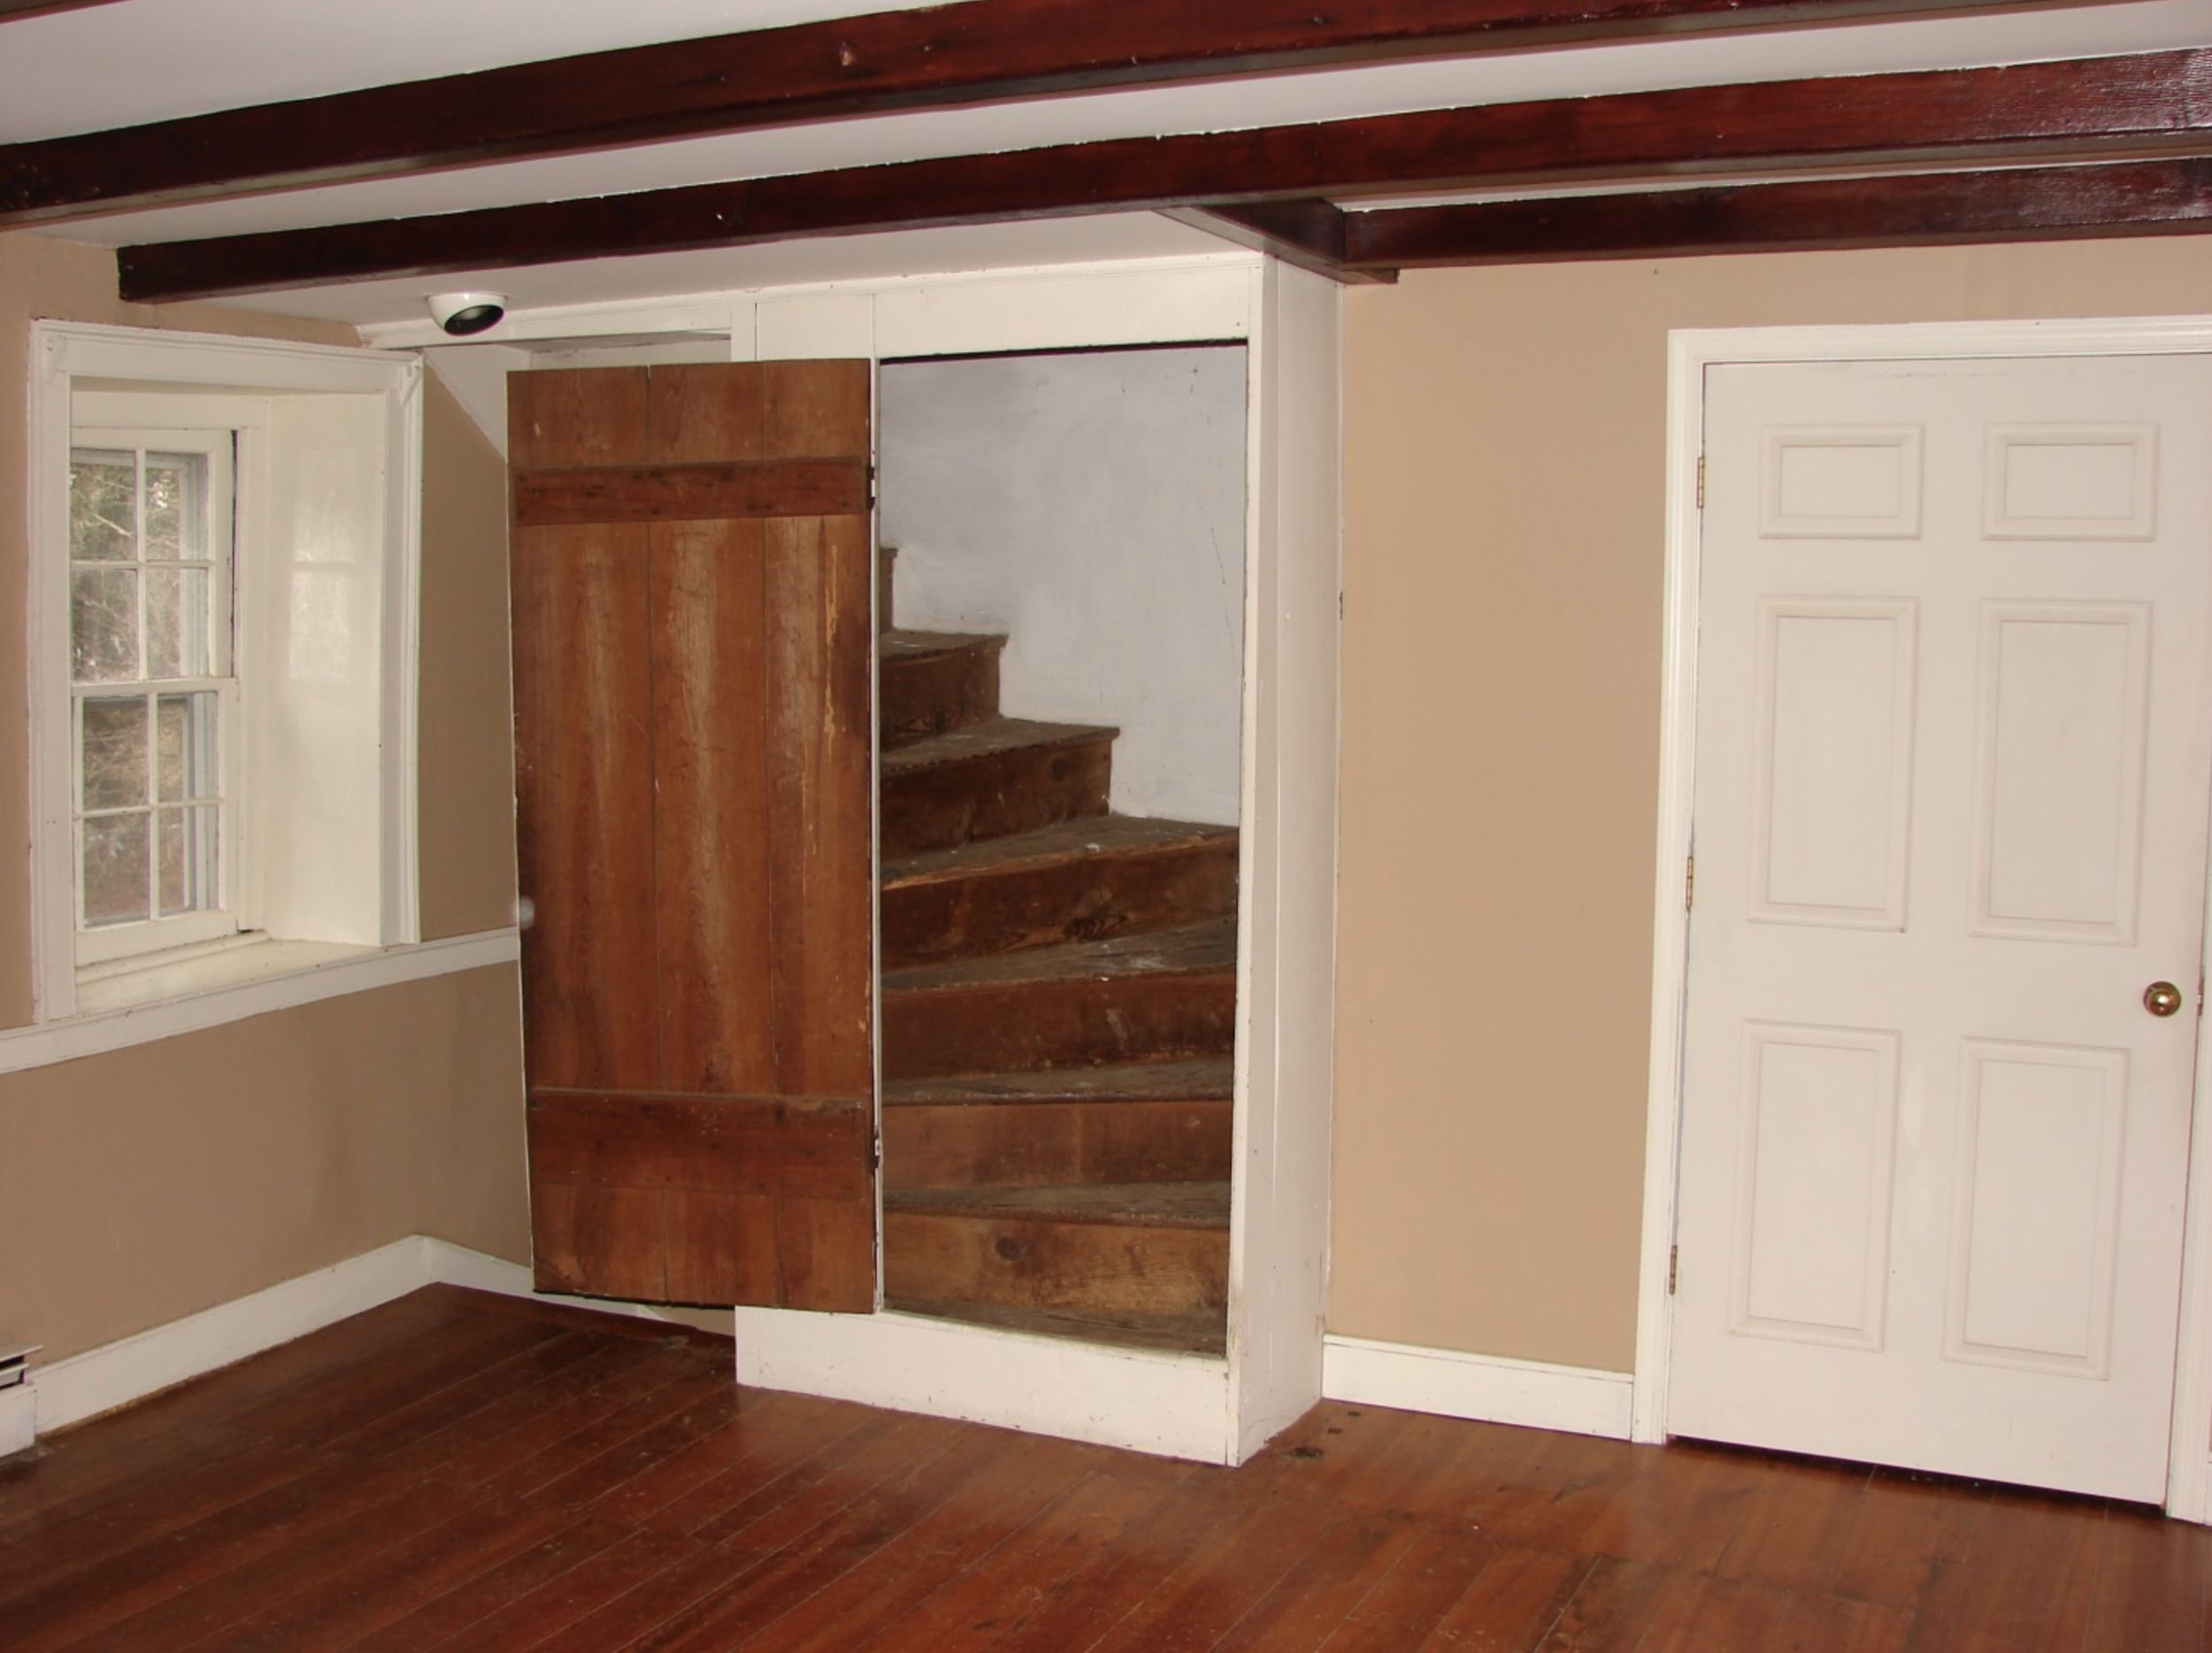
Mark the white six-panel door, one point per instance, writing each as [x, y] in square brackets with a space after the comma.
[1954, 750]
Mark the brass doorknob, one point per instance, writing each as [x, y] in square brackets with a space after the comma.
[2161, 998]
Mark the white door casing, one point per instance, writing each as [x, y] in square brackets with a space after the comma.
[1933, 1149]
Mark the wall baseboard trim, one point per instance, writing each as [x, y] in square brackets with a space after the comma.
[132, 1368]
[1574, 1399]
[1168, 1405]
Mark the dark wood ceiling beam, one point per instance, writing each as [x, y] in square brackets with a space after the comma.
[2159, 197]
[11, 10]
[2087, 109]
[1309, 234]
[979, 51]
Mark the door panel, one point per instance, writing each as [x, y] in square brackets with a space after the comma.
[582, 663]
[1953, 755]
[693, 763]
[1820, 1113]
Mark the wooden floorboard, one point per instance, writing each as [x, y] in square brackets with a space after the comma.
[460, 1470]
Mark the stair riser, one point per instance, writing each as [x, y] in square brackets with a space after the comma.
[1023, 1026]
[982, 1145]
[992, 795]
[1026, 1263]
[930, 695]
[1115, 894]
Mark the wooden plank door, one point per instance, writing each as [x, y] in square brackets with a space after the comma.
[691, 565]
[1954, 746]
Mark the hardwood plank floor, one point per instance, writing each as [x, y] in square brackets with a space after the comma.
[461, 1471]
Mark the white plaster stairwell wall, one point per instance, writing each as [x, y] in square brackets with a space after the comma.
[1090, 506]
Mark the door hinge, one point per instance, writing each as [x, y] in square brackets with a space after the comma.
[1689, 883]
[1701, 481]
[875, 1151]
[1674, 1261]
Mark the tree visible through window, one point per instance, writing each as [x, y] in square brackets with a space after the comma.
[150, 587]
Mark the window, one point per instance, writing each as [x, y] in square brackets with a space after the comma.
[222, 660]
[154, 696]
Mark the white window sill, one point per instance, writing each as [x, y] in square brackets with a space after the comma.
[206, 989]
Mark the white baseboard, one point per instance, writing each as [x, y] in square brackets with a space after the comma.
[1169, 1405]
[19, 1417]
[1172, 1406]
[115, 1374]
[1574, 1399]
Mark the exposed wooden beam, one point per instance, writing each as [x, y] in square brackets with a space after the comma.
[2078, 109]
[2159, 197]
[1309, 234]
[12, 9]
[886, 62]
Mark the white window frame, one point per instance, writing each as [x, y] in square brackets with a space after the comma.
[318, 425]
[123, 943]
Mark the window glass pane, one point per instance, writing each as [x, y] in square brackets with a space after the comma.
[189, 861]
[176, 622]
[114, 756]
[115, 869]
[184, 736]
[103, 624]
[102, 506]
[176, 483]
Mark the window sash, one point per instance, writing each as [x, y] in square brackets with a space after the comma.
[155, 810]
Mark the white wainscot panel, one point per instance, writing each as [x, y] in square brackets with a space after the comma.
[2035, 1226]
[1841, 482]
[1831, 822]
[2071, 482]
[1818, 1130]
[2059, 770]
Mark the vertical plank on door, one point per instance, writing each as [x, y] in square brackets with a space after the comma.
[711, 829]
[584, 805]
[813, 409]
[601, 1240]
[709, 413]
[818, 572]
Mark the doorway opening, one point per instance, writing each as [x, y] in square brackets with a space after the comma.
[1060, 679]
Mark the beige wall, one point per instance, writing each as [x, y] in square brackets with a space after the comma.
[466, 815]
[1505, 442]
[156, 1181]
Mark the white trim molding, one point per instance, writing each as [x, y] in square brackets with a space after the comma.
[1131, 301]
[1170, 1405]
[248, 980]
[1576, 1400]
[132, 1368]
[312, 873]
[1690, 353]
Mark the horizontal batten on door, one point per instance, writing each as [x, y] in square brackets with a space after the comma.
[691, 492]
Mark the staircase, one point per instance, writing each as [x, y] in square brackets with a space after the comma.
[1059, 996]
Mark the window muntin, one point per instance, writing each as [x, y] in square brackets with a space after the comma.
[153, 693]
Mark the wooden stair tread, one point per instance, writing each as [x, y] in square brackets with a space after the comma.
[1208, 1079]
[1121, 1205]
[921, 645]
[1069, 841]
[1188, 949]
[986, 738]
[1172, 1333]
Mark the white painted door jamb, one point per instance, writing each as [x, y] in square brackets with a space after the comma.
[1690, 353]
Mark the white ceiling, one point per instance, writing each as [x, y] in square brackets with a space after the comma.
[136, 60]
